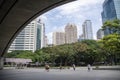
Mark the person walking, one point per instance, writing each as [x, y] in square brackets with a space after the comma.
[73, 67]
[47, 67]
[60, 67]
[89, 67]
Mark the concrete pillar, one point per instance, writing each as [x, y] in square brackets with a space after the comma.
[1, 62]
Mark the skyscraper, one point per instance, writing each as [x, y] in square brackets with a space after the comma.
[26, 40]
[111, 11]
[38, 40]
[58, 38]
[70, 33]
[100, 34]
[40, 35]
[46, 41]
[81, 37]
[87, 29]
[32, 37]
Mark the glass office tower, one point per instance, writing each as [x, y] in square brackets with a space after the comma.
[87, 29]
[40, 35]
[111, 11]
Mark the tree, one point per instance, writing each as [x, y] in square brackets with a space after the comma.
[92, 53]
[111, 44]
[12, 54]
[21, 54]
[68, 53]
[39, 56]
[113, 26]
[79, 51]
[65, 52]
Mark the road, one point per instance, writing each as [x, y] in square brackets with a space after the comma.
[54, 74]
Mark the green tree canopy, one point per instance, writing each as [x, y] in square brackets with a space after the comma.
[21, 54]
[111, 45]
[113, 26]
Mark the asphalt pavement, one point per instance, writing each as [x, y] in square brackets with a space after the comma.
[56, 74]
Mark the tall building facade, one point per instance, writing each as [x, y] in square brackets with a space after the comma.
[46, 41]
[26, 40]
[58, 38]
[81, 37]
[87, 29]
[70, 33]
[111, 11]
[40, 35]
[100, 34]
[32, 37]
[38, 40]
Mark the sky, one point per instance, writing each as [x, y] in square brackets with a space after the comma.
[75, 12]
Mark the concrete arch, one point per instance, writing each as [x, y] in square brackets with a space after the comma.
[16, 14]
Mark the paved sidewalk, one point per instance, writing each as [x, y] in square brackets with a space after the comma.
[56, 74]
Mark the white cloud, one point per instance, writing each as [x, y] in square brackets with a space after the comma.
[58, 29]
[77, 6]
[58, 16]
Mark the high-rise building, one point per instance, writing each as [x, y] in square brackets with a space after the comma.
[100, 34]
[111, 11]
[43, 36]
[32, 37]
[46, 41]
[38, 42]
[58, 38]
[26, 40]
[40, 35]
[81, 37]
[70, 33]
[87, 29]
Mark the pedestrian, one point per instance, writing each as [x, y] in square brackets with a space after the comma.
[73, 67]
[47, 67]
[60, 67]
[89, 67]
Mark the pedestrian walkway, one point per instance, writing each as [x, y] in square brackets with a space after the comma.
[56, 74]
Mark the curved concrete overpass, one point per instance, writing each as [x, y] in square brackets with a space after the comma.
[16, 14]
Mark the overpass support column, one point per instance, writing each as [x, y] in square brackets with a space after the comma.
[1, 62]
